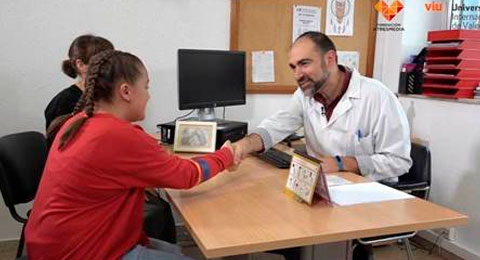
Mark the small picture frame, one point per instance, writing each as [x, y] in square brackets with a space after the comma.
[195, 136]
[306, 178]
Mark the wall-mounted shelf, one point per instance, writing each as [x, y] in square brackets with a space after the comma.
[452, 64]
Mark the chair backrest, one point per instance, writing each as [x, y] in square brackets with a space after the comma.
[22, 159]
[421, 167]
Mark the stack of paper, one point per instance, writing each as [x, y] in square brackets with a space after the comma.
[352, 194]
[333, 180]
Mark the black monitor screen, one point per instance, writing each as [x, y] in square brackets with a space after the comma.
[210, 78]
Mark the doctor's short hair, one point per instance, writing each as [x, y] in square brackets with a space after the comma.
[321, 41]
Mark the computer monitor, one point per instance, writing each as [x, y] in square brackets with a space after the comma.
[209, 79]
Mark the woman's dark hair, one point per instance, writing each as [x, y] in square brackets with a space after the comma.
[83, 48]
[105, 71]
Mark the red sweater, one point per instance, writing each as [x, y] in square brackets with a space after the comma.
[90, 200]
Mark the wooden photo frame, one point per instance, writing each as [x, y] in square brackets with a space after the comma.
[306, 178]
[195, 136]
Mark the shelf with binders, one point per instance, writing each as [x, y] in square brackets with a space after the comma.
[451, 63]
[453, 35]
[453, 53]
[454, 82]
[456, 44]
[452, 70]
[450, 93]
[449, 86]
[449, 79]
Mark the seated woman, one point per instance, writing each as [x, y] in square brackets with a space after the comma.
[90, 200]
[79, 54]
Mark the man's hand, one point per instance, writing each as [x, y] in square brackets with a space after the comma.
[248, 144]
[329, 164]
[228, 144]
[240, 152]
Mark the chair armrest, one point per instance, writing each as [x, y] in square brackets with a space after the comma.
[386, 238]
[410, 186]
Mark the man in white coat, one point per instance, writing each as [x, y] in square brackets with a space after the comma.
[352, 123]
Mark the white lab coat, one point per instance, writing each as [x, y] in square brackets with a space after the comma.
[368, 122]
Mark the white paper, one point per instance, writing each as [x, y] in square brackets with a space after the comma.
[333, 180]
[305, 18]
[358, 193]
[350, 59]
[263, 69]
[340, 17]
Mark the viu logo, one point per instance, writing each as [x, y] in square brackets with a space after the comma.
[434, 6]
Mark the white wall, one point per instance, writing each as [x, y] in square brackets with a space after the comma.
[36, 36]
[258, 108]
[452, 129]
[417, 25]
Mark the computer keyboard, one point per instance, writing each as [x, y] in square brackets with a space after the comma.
[276, 157]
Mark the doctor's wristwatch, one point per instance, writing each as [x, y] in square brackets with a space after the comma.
[338, 160]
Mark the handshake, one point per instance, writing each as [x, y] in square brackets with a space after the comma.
[241, 148]
[254, 143]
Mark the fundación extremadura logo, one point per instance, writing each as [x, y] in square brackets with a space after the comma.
[389, 11]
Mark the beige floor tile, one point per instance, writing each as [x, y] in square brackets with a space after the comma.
[8, 250]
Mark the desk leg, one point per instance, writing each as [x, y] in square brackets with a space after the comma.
[328, 251]
[350, 246]
[237, 257]
[307, 253]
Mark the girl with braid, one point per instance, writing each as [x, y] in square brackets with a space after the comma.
[89, 202]
[158, 217]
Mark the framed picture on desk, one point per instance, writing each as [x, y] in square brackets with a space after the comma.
[195, 136]
[306, 178]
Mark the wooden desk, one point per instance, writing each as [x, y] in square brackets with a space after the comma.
[245, 211]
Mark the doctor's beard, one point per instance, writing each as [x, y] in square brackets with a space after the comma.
[317, 85]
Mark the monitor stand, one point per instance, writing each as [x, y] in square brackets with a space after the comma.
[206, 114]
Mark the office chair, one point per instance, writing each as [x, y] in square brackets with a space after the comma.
[418, 179]
[416, 182]
[22, 159]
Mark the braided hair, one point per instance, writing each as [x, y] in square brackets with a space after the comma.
[105, 71]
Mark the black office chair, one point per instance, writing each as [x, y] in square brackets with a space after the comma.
[22, 159]
[418, 179]
[416, 182]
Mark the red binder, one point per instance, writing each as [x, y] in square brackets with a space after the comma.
[448, 72]
[452, 68]
[453, 35]
[452, 62]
